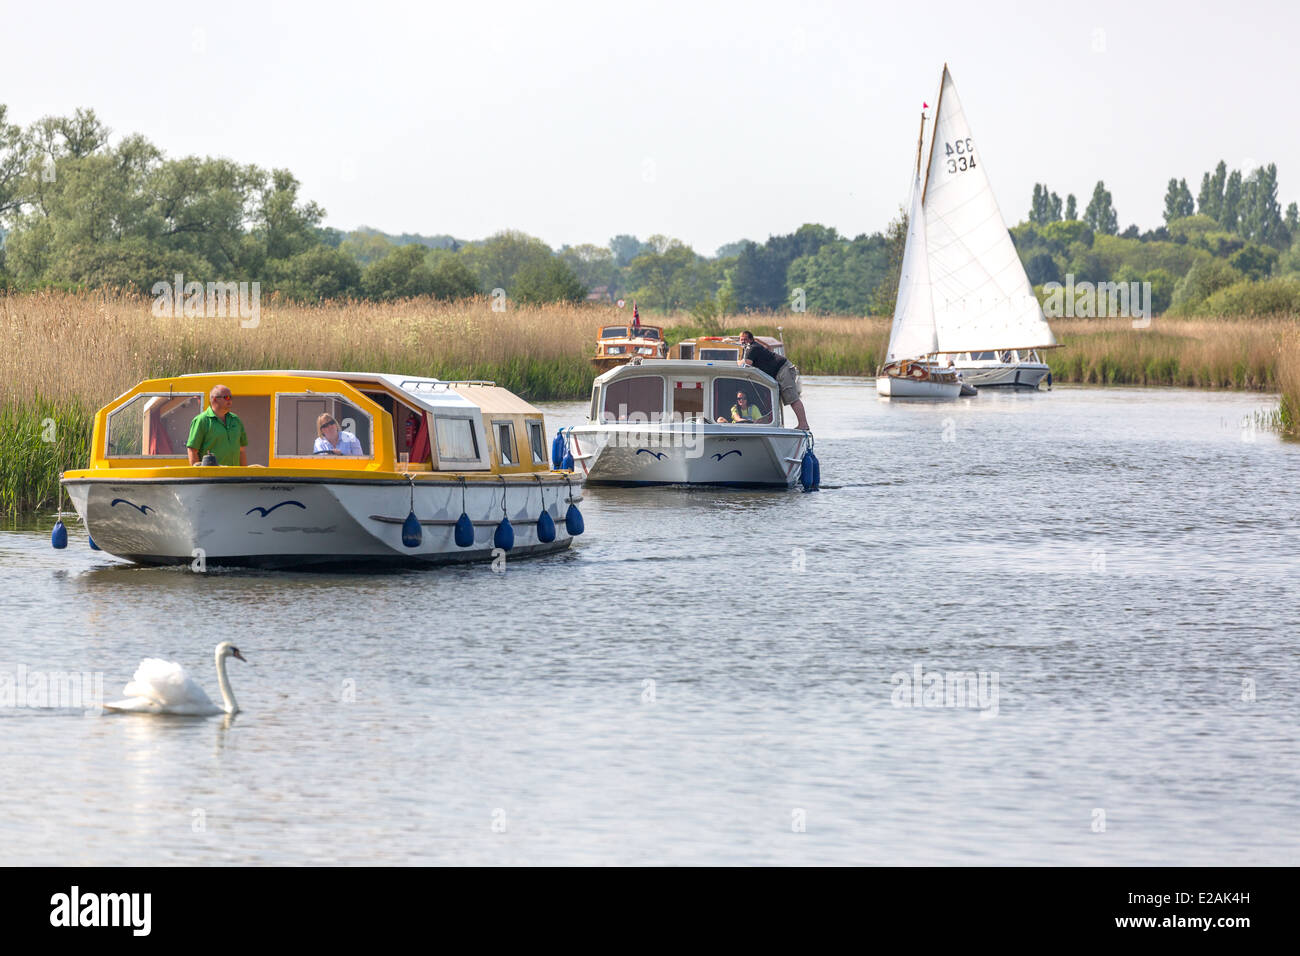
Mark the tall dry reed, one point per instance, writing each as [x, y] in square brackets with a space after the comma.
[66, 354]
[1288, 383]
[1191, 352]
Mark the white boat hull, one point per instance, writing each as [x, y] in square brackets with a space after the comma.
[755, 456]
[1012, 375]
[278, 522]
[890, 386]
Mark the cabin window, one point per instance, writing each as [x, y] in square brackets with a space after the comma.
[456, 440]
[719, 355]
[688, 351]
[636, 399]
[726, 392]
[152, 426]
[299, 432]
[537, 442]
[614, 349]
[595, 403]
[505, 443]
[649, 333]
[688, 400]
[613, 332]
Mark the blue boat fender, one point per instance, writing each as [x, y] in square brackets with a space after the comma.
[808, 471]
[411, 533]
[464, 531]
[573, 521]
[504, 537]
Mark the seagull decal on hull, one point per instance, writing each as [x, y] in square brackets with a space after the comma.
[267, 511]
[143, 509]
[659, 455]
[723, 454]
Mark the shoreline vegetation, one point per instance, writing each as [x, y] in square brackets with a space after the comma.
[68, 353]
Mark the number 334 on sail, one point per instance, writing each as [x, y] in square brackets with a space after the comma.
[961, 155]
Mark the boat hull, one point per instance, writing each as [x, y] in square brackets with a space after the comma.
[744, 456]
[1023, 375]
[891, 386]
[276, 523]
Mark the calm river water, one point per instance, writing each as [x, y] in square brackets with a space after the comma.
[716, 676]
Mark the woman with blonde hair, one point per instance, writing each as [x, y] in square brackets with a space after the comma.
[333, 440]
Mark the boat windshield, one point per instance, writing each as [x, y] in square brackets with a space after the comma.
[688, 400]
[636, 399]
[648, 333]
[613, 332]
[727, 403]
[312, 423]
[152, 426]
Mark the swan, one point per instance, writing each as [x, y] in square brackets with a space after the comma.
[163, 687]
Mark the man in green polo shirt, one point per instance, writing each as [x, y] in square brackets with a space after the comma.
[218, 431]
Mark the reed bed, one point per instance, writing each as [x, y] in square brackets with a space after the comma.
[819, 345]
[90, 348]
[1190, 352]
[69, 353]
[1288, 383]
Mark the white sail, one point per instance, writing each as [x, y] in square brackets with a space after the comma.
[913, 333]
[982, 298]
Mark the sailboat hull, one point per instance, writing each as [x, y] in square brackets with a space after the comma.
[889, 386]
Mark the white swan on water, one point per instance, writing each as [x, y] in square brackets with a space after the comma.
[163, 687]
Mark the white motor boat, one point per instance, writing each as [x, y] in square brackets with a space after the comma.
[688, 422]
[1007, 368]
[437, 472]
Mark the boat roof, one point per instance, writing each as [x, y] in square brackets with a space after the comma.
[767, 340]
[686, 368]
[430, 393]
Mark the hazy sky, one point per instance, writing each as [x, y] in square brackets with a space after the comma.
[704, 121]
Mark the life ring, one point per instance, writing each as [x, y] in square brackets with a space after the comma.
[916, 371]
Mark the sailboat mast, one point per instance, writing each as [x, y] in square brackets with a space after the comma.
[943, 81]
[919, 140]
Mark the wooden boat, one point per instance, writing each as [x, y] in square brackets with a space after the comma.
[447, 471]
[720, 348]
[618, 344]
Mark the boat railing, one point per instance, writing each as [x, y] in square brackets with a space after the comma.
[433, 386]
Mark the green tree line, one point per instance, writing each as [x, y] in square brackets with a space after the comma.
[79, 209]
[1228, 250]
